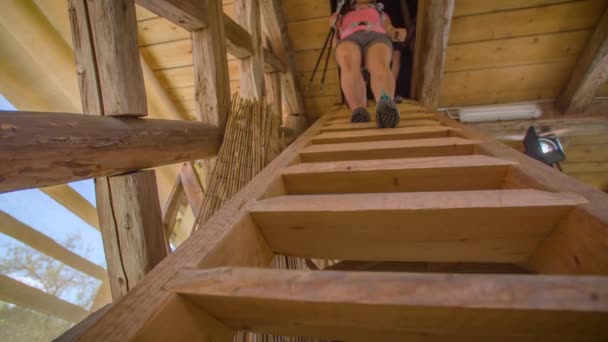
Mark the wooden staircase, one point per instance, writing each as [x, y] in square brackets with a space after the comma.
[430, 191]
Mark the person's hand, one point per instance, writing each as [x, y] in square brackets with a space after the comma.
[399, 34]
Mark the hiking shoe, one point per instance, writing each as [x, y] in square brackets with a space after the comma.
[387, 113]
[360, 115]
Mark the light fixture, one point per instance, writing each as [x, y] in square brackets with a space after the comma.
[545, 148]
[522, 111]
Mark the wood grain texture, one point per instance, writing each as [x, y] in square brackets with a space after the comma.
[191, 15]
[453, 173]
[211, 80]
[114, 31]
[341, 305]
[192, 187]
[132, 232]
[419, 226]
[238, 40]
[379, 134]
[590, 72]
[247, 13]
[389, 149]
[432, 30]
[274, 25]
[55, 148]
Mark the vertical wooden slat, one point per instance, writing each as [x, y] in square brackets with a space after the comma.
[432, 30]
[111, 83]
[132, 231]
[247, 14]
[211, 81]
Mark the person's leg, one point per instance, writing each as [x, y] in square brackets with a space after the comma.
[396, 67]
[377, 61]
[348, 56]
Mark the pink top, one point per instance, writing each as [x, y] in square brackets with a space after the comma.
[368, 19]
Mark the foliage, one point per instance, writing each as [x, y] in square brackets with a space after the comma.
[53, 277]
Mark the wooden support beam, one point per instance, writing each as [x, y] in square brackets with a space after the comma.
[391, 227]
[192, 187]
[128, 207]
[74, 202]
[132, 232]
[380, 134]
[191, 15]
[454, 173]
[272, 63]
[275, 28]
[389, 149]
[42, 243]
[379, 306]
[238, 40]
[113, 38]
[589, 74]
[25, 296]
[55, 148]
[432, 30]
[176, 200]
[247, 14]
[211, 79]
[274, 94]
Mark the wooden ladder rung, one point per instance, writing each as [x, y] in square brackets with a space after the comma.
[410, 117]
[455, 226]
[373, 125]
[383, 306]
[432, 147]
[380, 134]
[476, 172]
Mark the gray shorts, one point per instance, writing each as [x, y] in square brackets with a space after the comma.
[365, 39]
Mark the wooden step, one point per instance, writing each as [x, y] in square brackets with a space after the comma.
[380, 134]
[372, 125]
[403, 111]
[476, 172]
[389, 149]
[382, 306]
[408, 117]
[456, 226]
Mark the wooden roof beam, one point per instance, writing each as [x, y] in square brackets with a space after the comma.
[432, 30]
[252, 83]
[42, 243]
[57, 148]
[74, 202]
[188, 14]
[25, 296]
[589, 74]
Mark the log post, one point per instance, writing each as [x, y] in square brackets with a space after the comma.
[275, 28]
[433, 27]
[247, 14]
[111, 82]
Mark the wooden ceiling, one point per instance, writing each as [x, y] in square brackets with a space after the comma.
[498, 51]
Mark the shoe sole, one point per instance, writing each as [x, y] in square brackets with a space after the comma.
[389, 118]
[360, 118]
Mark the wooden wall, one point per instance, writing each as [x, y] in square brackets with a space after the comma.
[504, 51]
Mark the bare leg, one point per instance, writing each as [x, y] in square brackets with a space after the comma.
[377, 62]
[348, 55]
[396, 63]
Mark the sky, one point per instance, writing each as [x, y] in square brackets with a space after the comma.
[39, 211]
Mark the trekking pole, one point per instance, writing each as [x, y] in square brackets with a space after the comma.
[330, 35]
[314, 71]
[327, 61]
